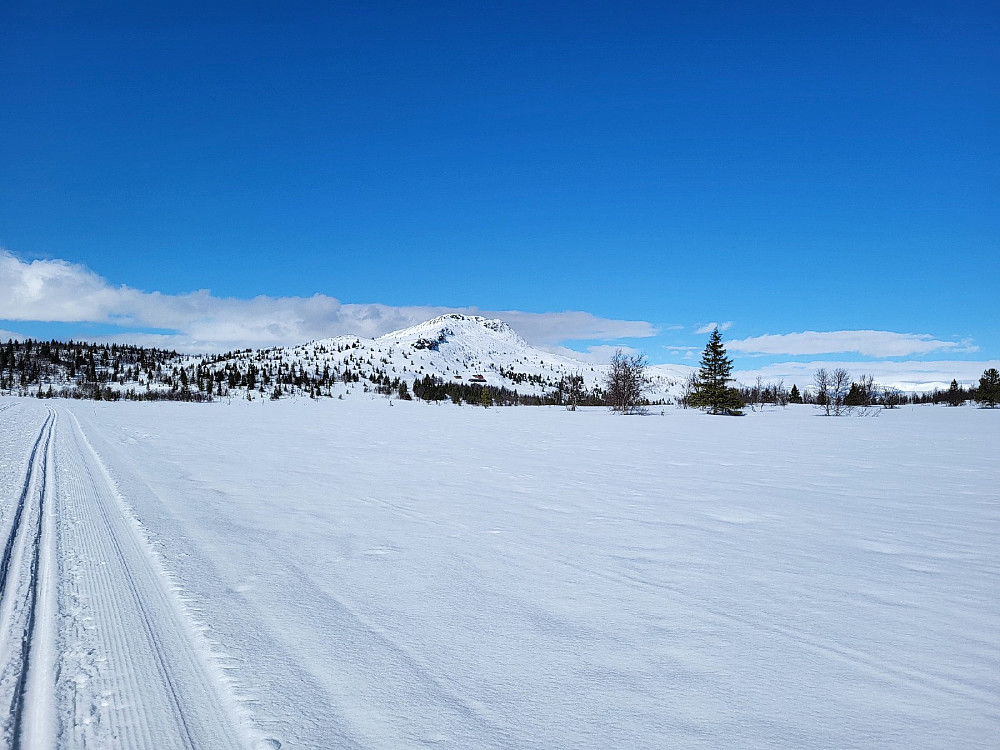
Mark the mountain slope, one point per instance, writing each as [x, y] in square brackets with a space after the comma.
[456, 348]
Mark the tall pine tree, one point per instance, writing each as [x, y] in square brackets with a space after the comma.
[711, 391]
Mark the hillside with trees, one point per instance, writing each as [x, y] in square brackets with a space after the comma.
[454, 358]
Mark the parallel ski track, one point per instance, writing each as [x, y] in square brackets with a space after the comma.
[25, 538]
[44, 433]
[158, 689]
[95, 649]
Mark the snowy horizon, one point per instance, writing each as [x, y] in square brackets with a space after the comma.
[57, 299]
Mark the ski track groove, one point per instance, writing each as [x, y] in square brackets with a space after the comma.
[176, 705]
[35, 708]
[22, 501]
[90, 628]
[19, 587]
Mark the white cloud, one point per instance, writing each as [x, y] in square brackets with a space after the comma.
[551, 328]
[57, 290]
[6, 336]
[685, 352]
[866, 343]
[594, 355]
[709, 327]
[907, 376]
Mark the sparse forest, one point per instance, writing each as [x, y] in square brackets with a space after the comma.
[104, 372]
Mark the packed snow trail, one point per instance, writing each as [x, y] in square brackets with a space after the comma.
[96, 648]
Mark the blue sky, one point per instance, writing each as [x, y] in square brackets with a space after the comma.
[650, 167]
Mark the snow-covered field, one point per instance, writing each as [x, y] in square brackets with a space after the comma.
[359, 575]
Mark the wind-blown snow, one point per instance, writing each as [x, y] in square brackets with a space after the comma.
[402, 576]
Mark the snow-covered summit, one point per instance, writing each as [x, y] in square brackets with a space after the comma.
[456, 322]
[462, 338]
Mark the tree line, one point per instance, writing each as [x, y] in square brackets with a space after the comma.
[126, 372]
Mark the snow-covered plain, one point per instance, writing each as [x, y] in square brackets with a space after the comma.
[359, 575]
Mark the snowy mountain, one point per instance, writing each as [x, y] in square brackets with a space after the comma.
[448, 356]
[457, 349]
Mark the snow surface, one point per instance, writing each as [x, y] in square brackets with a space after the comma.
[354, 574]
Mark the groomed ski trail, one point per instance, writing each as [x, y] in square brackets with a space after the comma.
[96, 650]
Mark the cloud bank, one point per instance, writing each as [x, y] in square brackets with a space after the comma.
[199, 322]
[908, 376]
[60, 291]
[599, 354]
[866, 343]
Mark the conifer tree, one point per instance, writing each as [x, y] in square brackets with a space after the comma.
[795, 397]
[954, 394]
[989, 388]
[855, 396]
[711, 391]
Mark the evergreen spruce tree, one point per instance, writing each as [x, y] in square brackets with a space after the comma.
[954, 394]
[711, 392]
[855, 397]
[795, 397]
[989, 388]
